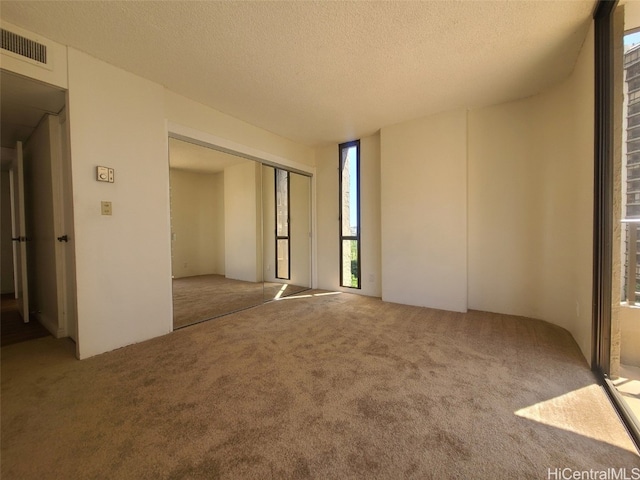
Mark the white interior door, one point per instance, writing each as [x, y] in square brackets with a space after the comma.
[63, 211]
[19, 235]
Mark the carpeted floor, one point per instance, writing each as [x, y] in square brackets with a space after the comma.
[204, 297]
[322, 386]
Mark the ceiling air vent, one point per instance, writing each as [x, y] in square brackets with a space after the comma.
[24, 47]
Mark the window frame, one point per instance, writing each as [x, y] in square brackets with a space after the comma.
[286, 237]
[342, 237]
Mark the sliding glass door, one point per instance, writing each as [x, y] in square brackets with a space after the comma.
[614, 221]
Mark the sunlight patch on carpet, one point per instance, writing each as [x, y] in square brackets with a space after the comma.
[576, 412]
[310, 295]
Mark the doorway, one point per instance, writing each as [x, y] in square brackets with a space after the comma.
[34, 120]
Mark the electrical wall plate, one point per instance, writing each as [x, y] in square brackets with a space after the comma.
[105, 208]
[105, 174]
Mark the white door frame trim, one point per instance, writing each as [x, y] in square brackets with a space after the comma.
[204, 139]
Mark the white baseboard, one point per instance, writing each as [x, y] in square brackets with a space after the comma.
[50, 325]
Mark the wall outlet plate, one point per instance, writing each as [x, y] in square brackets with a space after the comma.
[105, 208]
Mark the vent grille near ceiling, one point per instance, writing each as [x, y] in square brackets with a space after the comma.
[23, 46]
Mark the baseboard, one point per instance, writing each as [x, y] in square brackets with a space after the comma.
[50, 325]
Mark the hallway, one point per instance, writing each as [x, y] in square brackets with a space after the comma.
[13, 329]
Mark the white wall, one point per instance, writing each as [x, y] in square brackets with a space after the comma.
[123, 261]
[579, 88]
[327, 206]
[300, 225]
[531, 203]
[243, 222]
[327, 224]
[197, 223]
[6, 247]
[424, 212]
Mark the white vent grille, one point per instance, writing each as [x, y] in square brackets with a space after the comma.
[24, 47]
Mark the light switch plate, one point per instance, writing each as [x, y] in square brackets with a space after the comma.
[106, 208]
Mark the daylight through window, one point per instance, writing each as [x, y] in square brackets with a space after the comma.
[350, 214]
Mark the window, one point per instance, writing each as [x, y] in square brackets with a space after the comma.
[283, 245]
[349, 179]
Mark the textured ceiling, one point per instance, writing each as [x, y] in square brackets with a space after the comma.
[320, 71]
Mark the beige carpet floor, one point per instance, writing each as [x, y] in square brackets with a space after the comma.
[323, 386]
[203, 297]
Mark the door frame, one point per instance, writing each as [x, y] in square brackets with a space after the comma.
[63, 213]
[62, 204]
[197, 137]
